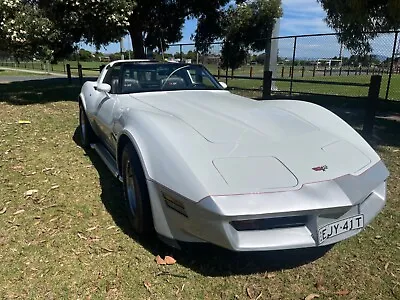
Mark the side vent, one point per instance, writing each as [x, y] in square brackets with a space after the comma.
[175, 204]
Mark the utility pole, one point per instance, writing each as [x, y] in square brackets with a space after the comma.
[271, 50]
[122, 48]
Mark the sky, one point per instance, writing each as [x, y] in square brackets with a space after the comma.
[299, 17]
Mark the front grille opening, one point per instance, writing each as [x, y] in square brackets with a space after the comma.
[270, 223]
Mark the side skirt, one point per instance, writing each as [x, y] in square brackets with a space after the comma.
[108, 159]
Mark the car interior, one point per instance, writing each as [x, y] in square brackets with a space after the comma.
[133, 78]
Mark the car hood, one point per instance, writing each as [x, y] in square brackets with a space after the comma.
[221, 117]
[253, 145]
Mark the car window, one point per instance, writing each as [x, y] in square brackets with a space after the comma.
[112, 78]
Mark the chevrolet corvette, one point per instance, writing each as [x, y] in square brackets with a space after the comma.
[199, 164]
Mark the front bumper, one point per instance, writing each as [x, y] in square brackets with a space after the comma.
[322, 203]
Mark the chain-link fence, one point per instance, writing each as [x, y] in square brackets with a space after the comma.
[305, 58]
[301, 60]
[322, 57]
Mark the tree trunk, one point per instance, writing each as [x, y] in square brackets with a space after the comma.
[137, 43]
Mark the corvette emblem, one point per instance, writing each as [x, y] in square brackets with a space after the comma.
[320, 168]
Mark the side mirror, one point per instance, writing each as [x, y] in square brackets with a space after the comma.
[104, 87]
[223, 84]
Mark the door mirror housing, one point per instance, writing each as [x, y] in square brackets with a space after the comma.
[104, 87]
[223, 84]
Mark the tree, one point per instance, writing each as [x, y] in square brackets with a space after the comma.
[359, 21]
[151, 23]
[85, 55]
[243, 27]
[25, 31]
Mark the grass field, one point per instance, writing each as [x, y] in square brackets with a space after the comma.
[338, 90]
[70, 239]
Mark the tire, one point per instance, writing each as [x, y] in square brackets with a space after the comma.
[136, 195]
[87, 134]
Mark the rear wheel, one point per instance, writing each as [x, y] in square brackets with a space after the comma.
[137, 201]
[87, 134]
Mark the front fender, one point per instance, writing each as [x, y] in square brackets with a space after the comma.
[327, 121]
[169, 151]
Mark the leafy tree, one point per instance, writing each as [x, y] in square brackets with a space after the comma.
[245, 27]
[25, 31]
[85, 55]
[358, 21]
[191, 55]
[151, 23]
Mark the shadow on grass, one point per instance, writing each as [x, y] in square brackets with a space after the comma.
[39, 91]
[206, 259]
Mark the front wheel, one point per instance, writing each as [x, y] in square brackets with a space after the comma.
[137, 201]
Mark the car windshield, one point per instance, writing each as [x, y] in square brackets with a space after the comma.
[151, 77]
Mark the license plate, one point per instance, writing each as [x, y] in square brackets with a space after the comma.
[331, 230]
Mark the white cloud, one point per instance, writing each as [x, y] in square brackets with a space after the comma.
[302, 17]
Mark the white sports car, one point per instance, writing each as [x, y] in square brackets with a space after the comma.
[199, 164]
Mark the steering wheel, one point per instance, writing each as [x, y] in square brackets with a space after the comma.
[170, 75]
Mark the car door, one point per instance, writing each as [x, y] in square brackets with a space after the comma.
[104, 116]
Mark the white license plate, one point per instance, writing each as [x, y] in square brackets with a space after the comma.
[331, 230]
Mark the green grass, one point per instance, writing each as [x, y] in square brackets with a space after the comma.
[70, 240]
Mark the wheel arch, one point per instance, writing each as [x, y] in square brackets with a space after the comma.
[124, 139]
[160, 222]
[81, 101]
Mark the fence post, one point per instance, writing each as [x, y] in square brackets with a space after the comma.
[267, 83]
[325, 71]
[69, 74]
[251, 71]
[372, 105]
[330, 72]
[391, 65]
[232, 74]
[293, 59]
[360, 70]
[340, 71]
[313, 73]
[80, 73]
[302, 71]
[219, 73]
[283, 71]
